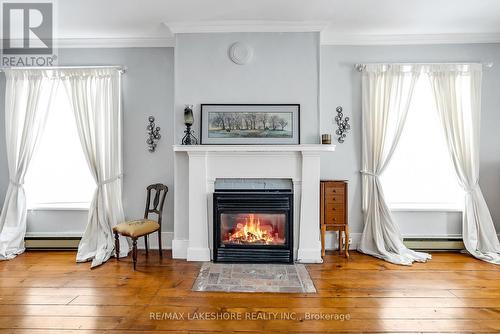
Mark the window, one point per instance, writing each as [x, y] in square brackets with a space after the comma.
[421, 174]
[58, 176]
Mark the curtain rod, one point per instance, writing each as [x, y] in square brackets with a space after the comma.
[361, 67]
[121, 68]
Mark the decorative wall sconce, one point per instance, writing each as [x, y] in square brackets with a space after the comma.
[343, 125]
[153, 134]
[189, 138]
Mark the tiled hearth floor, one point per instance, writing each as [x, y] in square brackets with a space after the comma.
[227, 277]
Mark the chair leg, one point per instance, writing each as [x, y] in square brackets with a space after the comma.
[117, 246]
[323, 232]
[146, 243]
[134, 251]
[159, 243]
[347, 242]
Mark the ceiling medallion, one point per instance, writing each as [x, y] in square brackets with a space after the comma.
[240, 53]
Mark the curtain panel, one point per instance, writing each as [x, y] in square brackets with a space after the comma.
[95, 95]
[457, 90]
[28, 98]
[386, 95]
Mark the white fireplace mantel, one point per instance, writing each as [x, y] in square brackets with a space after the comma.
[197, 167]
[254, 148]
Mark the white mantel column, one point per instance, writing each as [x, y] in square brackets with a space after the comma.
[309, 236]
[198, 249]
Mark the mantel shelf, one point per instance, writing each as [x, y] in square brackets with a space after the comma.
[254, 148]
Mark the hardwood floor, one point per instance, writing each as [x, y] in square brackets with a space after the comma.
[48, 292]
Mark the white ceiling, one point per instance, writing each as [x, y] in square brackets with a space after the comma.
[341, 21]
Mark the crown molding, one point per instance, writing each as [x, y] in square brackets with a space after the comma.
[328, 38]
[183, 27]
[147, 42]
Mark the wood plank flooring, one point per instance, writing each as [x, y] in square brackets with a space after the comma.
[47, 292]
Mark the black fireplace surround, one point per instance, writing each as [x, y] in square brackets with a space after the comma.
[253, 226]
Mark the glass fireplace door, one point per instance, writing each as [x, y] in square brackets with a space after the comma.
[247, 229]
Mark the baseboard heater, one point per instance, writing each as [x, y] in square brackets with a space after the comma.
[434, 244]
[51, 243]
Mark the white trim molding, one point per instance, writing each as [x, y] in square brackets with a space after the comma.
[144, 42]
[330, 38]
[327, 37]
[244, 149]
[182, 27]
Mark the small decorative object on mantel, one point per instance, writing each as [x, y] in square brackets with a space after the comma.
[153, 134]
[189, 138]
[326, 139]
[343, 125]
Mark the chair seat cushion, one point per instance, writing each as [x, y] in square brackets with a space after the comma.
[137, 228]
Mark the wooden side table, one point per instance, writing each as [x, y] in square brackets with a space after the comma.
[333, 213]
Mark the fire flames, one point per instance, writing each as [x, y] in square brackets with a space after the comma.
[250, 231]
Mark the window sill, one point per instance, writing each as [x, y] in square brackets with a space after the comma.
[59, 207]
[424, 208]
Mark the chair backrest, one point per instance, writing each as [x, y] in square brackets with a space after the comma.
[158, 200]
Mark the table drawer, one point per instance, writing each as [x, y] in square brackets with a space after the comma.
[334, 199]
[334, 208]
[334, 190]
[331, 218]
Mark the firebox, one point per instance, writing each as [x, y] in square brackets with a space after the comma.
[253, 226]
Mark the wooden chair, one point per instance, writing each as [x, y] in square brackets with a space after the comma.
[143, 227]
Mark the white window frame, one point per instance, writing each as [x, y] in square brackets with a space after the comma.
[58, 206]
[422, 206]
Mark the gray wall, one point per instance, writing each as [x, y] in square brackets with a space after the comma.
[284, 69]
[341, 85]
[148, 88]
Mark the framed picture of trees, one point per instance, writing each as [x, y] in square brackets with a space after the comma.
[257, 124]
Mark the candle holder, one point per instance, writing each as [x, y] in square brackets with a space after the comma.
[153, 134]
[326, 139]
[189, 138]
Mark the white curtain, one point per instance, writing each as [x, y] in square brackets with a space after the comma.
[457, 89]
[28, 97]
[95, 95]
[386, 95]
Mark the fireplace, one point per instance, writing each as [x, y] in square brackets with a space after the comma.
[253, 226]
